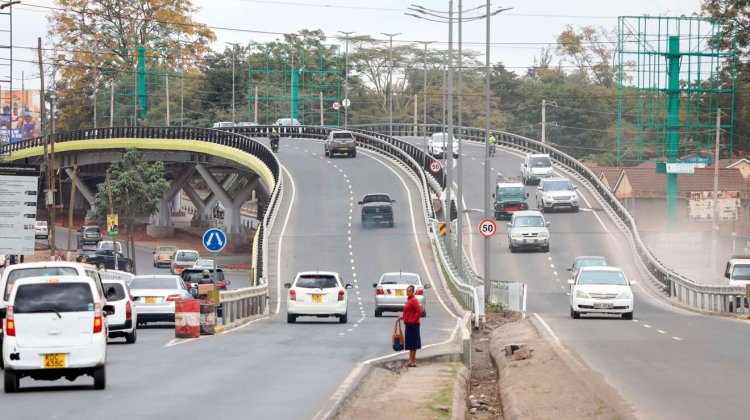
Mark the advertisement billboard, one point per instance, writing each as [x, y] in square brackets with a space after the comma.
[19, 115]
[18, 203]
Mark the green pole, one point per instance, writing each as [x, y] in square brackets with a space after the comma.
[295, 93]
[673, 111]
[142, 79]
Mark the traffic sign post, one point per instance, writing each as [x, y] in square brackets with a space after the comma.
[487, 228]
[435, 167]
[336, 106]
[214, 240]
[346, 102]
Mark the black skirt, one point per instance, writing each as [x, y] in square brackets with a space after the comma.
[412, 339]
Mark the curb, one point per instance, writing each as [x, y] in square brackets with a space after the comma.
[459, 410]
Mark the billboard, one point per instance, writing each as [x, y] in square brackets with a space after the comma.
[18, 203]
[701, 205]
[19, 115]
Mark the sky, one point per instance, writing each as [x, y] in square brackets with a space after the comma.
[517, 35]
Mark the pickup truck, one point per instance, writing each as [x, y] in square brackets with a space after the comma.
[377, 209]
[510, 196]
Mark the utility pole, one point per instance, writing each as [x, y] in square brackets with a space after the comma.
[112, 104]
[166, 83]
[346, 79]
[96, 86]
[135, 95]
[256, 105]
[111, 211]
[445, 92]
[48, 196]
[715, 218]
[322, 121]
[449, 142]
[390, 83]
[233, 51]
[424, 105]
[182, 96]
[459, 168]
[71, 209]
[544, 121]
[487, 180]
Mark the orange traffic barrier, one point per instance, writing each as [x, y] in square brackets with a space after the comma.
[187, 321]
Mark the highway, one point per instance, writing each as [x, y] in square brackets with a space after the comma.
[258, 370]
[669, 363]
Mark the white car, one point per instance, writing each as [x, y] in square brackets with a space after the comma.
[438, 144]
[601, 290]
[125, 318]
[317, 293]
[40, 230]
[183, 258]
[390, 292]
[110, 246]
[556, 193]
[224, 124]
[536, 166]
[55, 327]
[154, 297]
[528, 229]
[204, 263]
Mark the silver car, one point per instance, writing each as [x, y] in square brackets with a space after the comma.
[390, 292]
[556, 193]
[527, 229]
[154, 297]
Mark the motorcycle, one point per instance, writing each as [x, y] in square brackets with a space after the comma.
[492, 149]
[275, 145]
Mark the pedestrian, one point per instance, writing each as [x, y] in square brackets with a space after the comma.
[411, 316]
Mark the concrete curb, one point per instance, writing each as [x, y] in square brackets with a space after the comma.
[460, 392]
[507, 397]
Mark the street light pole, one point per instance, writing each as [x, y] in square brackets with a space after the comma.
[390, 83]
[449, 148]
[346, 79]
[424, 103]
[459, 169]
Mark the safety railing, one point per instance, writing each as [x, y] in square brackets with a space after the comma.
[678, 287]
[240, 304]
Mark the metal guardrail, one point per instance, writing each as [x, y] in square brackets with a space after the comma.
[242, 303]
[680, 288]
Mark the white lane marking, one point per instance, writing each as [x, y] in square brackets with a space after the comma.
[661, 331]
[677, 338]
[635, 320]
[555, 272]
[646, 325]
[549, 258]
[281, 240]
[552, 266]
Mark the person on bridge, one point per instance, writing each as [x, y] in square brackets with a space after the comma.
[412, 314]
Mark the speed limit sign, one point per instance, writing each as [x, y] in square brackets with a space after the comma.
[487, 228]
[435, 167]
[336, 106]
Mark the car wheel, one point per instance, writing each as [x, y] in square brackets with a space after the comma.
[130, 338]
[512, 250]
[575, 209]
[545, 248]
[11, 382]
[574, 314]
[390, 224]
[628, 316]
[344, 318]
[100, 377]
[378, 313]
[290, 319]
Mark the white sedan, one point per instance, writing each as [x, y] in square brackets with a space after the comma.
[317, 293]
[601, 290]
[154, 297]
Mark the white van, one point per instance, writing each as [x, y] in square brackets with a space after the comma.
[55, 327]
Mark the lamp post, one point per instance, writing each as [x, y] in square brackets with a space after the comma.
[234, 51]
[346, 79]
[424, 102]
[390, 83]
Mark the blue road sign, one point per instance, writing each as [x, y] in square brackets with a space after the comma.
[214, 240]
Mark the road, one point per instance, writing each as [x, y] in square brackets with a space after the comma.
[271, 369]
[668, 362]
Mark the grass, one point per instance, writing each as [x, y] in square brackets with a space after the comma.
[493, 307]
[444, 396]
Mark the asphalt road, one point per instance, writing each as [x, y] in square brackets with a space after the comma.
[669, 363]
[271, 369]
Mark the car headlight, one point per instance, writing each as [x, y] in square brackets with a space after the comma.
[516, 235]
[543, 235]
[625, 295]
[582, 295]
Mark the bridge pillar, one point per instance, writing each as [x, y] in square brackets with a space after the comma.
[160, 225]
[212, 198]
[83, 189]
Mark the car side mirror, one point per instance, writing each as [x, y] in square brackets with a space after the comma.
[108, 310]
[571, 282]
[348, 286]
[726, 275]
[632, 282]
[508, 224]
[110, 292]
[393, 201]
[527, 195]
[549, 223]
[287, 285]
[359, 202]
[575, 187]
[427, 286]
[3, 312]
[374, 285]
[194, 292]
[570, 269]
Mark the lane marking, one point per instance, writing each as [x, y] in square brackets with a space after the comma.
[646, 325]
[677, 338]
[281, 240]
[661, 331]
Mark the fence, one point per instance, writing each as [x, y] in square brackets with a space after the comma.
[237, 305]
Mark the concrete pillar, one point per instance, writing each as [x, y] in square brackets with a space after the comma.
[160, 225]
[232, 214]
[177, 202]
[83, 189]
[211, 200]
[194, 198]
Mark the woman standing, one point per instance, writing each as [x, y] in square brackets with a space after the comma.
[411, 316]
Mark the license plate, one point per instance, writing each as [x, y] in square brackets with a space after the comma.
[400, 292]
[512, 208]
[603, 306]
[150, 299]
[317, 298]
[54, 360]
[344, 149]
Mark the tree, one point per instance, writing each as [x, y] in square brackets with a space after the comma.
[136, 188]
[96, 42]
[592, 51]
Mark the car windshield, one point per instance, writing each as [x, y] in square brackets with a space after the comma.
[187, 256]
[119, 293]
[153, 283]
[374, 198]
[441, 138]
[22, 273]
[528, 221]
[288, 121]
[317, 281]
[165, 249]
[602, 277]
[561, 185]
[400, 278]
[540, 161]
[591, 262]
[209, 263]
[741, 272]
[512, 191]
[50, 297]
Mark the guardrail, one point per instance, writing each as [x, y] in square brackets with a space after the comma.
[677, 287]
[240, 304]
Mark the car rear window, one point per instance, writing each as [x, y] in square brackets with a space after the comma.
[22, 273]
[165, 249]
[317, 281]
[60, 297]
[187, 256]
[400, 279]
[195, 276]
[376, 198]
[119, 294]
[594, 262]
[153, 283]
[92, 230]
[540, 161]
[343, 136]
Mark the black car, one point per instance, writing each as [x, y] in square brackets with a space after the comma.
[377, 209]
[105, 258]
[193, 276]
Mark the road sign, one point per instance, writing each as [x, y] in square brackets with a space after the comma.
[435, 167]
[442, 229]
[113, 225]
[336, 106]
[214, 240]
[487, 228]
[346, 102]
[680, 168]
[19, 197]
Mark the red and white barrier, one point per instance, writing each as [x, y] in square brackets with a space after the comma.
[187, 319]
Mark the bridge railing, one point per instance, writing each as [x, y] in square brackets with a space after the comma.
[680, 288]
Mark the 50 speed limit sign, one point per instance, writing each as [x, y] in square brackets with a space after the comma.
[487, 228]
[435, 166]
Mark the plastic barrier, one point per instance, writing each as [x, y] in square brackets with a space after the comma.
[187, 319]
[207, 317]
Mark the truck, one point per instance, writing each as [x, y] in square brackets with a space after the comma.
[738, 275]
[510, 196]
[377, 209]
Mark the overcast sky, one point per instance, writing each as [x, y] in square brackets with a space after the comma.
[517, 35]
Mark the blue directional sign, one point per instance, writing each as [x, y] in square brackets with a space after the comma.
[214, 240]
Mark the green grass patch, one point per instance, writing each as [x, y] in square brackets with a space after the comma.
[443, 398]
